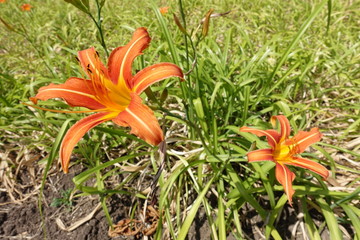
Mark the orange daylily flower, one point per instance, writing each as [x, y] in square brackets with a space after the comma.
[284, 151]
[26, 7]
[112, 92]
[164, 10]
[2, 1]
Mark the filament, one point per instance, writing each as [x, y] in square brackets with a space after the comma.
[64, 111]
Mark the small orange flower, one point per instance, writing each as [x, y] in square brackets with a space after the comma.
[2, 1]
[26, 7]
[284, 151]
[164, 10]
[112, 92]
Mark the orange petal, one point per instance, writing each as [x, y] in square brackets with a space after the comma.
[272, 136]
[285, 178]
[304, 139]
[164, 10]
[260, 155]
[311, 165]
[142, 121]
[284, 126]
[91, 63]
[152, 74]
[76, 132]
[75, 91]
[121, 58]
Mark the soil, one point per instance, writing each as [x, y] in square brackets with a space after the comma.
[21, 219]
[24, 221]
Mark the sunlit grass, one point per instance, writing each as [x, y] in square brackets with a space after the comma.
[263, 58]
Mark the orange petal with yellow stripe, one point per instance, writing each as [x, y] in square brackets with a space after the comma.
[311, 165]
[260, 155]
[91, 63]
[272, 136]
[285, 128]
[304, 139]
[142, 121]
[75, 91]
[121, 58]
[152, 74]
[285, 177]
[76, 132]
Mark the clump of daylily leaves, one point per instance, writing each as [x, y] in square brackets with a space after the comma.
[112, 93]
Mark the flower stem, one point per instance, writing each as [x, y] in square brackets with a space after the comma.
[99, 27]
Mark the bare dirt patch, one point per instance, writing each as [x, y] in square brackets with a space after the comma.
[24, 220]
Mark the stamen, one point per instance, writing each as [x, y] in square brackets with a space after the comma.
[63, 111]
[296, 148]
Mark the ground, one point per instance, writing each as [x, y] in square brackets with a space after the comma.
[21, 219]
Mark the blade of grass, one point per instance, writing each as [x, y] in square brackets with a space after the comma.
[272, 217]
[238, 233]
[244, 192]
[355, 220]
[246, 104]
[193, 211]
[86, 174]
[221, 211]
[301, 32]
[329, 3]
[310, 225]
[331, 222]
[266, 183]
[340, 149]
[285, 55]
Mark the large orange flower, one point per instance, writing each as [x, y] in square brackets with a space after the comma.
[284, 151]
[112, 92]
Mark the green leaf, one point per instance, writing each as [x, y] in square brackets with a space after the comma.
[272, 217]
[221, 211]
[192, 213]
[82, 5]
[85, 175]
[102, 2]
[310, 225]
[301, 32]
[331, 222]
[245, 193]
[355, 220]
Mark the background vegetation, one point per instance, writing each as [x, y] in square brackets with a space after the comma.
[263, 58]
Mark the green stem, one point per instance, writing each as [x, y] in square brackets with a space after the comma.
[99, 27]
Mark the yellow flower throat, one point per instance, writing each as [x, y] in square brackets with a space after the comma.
[283, 152]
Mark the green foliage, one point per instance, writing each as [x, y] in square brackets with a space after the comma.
[64, 200]
[82, 5]
[264, 58]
